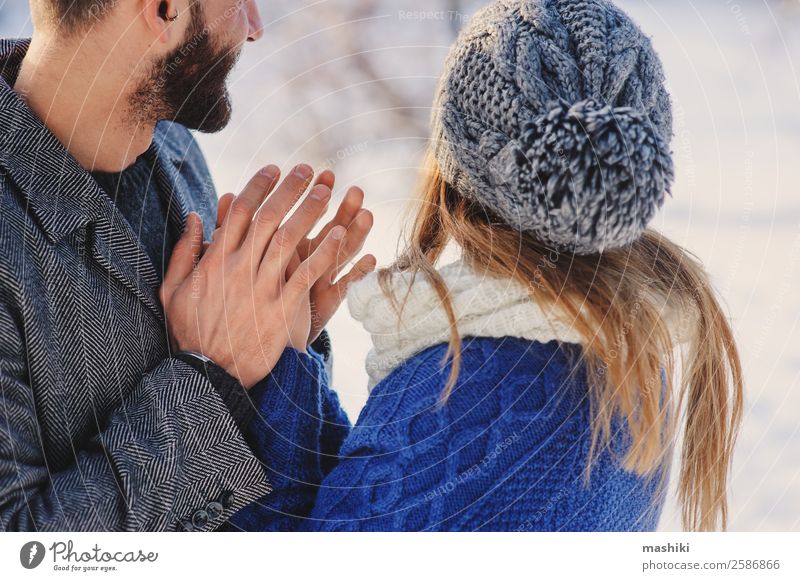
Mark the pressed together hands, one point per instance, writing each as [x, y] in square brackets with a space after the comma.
[262, 284]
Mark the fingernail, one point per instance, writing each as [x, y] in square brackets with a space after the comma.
[319, 193]
[304, 171]
[270, 171]
[338, 232]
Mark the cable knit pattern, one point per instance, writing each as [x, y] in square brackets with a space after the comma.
[554, 115]
[298, 430]
[506, 452]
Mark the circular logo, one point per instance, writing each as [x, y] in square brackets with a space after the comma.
[31, 555]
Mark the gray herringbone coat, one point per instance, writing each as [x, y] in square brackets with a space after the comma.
[100, 429]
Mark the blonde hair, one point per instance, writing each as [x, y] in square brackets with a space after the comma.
[618, 301]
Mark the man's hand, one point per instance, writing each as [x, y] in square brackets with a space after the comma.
[328, 293]
[232, 300]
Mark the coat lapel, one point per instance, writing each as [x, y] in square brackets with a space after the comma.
[116, 245]
[170, 184]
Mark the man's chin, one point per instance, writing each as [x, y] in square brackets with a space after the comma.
[213, 127]
[207, 119]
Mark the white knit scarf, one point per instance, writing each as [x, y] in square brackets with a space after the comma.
[484, 307]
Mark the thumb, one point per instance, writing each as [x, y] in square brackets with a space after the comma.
[184, 257]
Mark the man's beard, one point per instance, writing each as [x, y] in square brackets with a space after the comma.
[189, 84]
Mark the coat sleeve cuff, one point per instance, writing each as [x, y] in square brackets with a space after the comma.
[232, 392]
[185, 462]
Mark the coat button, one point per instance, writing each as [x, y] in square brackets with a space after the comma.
[214, 509]
[200, 519]
[185, 525]
[227, 498]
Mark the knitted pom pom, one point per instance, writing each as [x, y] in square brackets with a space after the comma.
[584, 178]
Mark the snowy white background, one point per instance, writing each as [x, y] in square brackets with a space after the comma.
[348, 84]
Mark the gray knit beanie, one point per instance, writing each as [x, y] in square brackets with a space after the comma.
[553, 115]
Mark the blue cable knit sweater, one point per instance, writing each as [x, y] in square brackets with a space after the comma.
[505, 453]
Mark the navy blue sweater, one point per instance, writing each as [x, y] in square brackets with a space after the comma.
[506, 452]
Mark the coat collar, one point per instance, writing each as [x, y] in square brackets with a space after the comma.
[63, 196]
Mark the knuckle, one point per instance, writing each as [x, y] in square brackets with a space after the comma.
[348, 247]
[312, 208]
[242, 207]
[210, 257]
[303, 278]
[228, 266]
[267, 216]
[206, 265]
[333, 248]
[283, 239]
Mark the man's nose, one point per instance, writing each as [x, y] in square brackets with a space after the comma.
[256, 27]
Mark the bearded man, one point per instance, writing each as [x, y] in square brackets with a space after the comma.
[128, 343]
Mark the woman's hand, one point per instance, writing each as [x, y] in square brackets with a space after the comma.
[328, 292]
[301, 326]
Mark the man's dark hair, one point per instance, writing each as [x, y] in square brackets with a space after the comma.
[77, 14]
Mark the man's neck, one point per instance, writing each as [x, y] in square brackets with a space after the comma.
[82, 97]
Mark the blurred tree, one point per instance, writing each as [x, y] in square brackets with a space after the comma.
[347, 73]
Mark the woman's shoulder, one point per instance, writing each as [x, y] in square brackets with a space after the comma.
[499, 378]
[483, 359]
[518, 411]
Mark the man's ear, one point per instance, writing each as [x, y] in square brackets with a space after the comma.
[161, 17]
